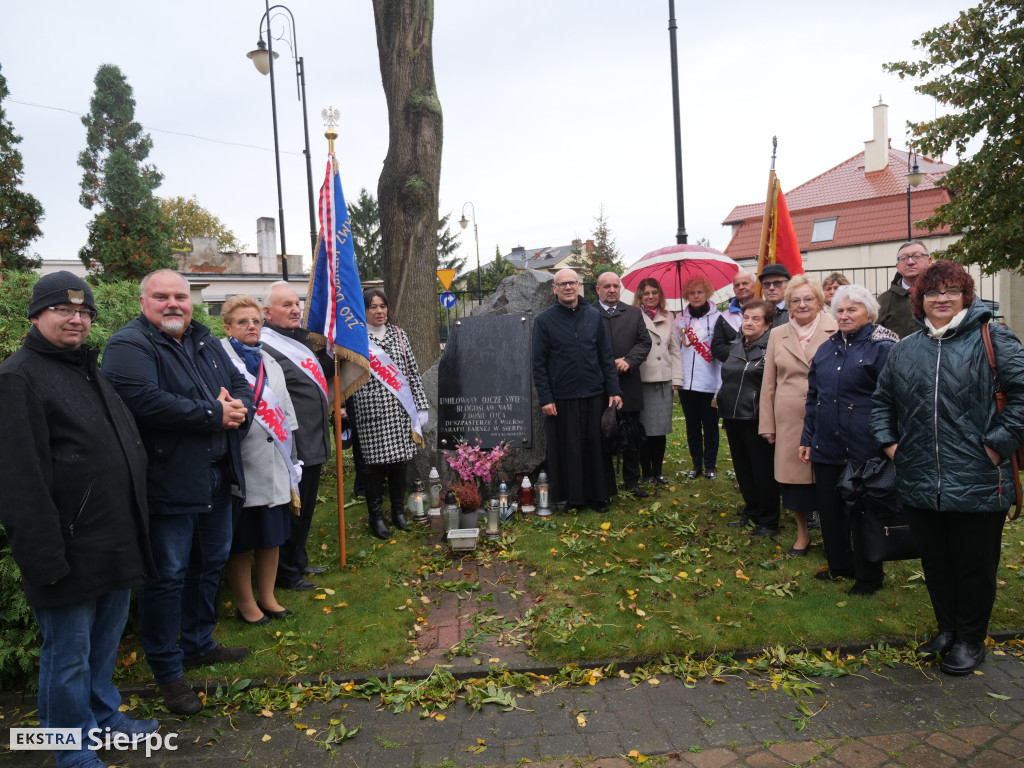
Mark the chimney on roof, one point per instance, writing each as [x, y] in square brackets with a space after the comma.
[876, 151]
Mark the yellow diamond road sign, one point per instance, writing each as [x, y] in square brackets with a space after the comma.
[446, 276]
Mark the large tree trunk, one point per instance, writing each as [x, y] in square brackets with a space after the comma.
[408, 188]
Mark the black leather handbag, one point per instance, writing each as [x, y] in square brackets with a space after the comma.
[869, 490]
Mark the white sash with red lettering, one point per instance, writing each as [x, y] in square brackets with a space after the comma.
[298, 354]
[387, 373]
[271, 416]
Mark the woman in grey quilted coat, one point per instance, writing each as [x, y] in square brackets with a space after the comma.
[387, 437]
[934, 414]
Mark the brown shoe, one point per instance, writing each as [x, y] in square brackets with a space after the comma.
[180, 698]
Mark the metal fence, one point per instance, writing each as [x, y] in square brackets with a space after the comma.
[875, 279]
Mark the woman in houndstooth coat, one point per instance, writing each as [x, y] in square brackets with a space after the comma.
[382, 423]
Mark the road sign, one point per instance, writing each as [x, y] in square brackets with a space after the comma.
[447, 298]
[446, 276]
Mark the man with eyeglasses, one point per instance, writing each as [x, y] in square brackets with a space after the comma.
[912, 259]
[192, 407]
[774, 279]
[74, 507]
[576, 380]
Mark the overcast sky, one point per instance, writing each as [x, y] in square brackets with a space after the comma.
[551, 108]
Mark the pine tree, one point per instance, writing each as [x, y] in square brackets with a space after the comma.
[364, 220]
[128, 238]
[497, 271]
[447, 244]
[111, 125]
[603, 257]
[20, 212]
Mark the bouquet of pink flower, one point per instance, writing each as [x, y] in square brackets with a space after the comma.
[472, 461]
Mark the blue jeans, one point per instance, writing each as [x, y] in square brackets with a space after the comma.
[190, 550]
[76, 663]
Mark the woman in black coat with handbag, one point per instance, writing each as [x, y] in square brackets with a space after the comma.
[934, 413]
[840, 383]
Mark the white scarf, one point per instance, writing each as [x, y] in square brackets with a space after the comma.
[938, 333]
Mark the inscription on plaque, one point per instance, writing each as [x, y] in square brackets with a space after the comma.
[484, 382]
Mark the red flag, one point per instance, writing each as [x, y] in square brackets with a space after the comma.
[784, 248]
[778, 238]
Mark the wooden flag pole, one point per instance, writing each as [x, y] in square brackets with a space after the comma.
[339, 460]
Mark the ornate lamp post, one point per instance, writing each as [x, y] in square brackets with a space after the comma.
[263, 59]
[464, 222]
[914, 178]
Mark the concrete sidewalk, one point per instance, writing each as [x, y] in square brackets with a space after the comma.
[900, 717]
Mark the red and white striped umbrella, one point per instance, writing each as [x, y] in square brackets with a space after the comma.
[672, 265]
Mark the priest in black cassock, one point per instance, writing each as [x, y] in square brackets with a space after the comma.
[576, 380]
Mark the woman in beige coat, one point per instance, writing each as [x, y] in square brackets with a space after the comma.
[791, 349]
[661, 374]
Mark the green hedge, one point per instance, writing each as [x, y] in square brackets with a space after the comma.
[118, 303]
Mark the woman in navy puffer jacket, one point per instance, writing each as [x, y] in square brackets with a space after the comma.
[836, 427]
[935, 416]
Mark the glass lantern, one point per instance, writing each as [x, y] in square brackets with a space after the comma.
[543, 495]
[450, 512]
[417, 504]
[494, 519]
[434, 480]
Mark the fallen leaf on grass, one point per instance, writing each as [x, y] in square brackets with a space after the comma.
[581, 721]
[319, 597]
[606, 526]
[266, 713]
[635, 754]
[266, 737]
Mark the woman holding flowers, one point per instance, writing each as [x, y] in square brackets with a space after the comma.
[389, 410]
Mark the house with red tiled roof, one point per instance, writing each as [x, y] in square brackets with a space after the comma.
[855, 214]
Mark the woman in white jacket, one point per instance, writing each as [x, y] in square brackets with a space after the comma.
[702, 375]
[264, 523]
[661, 374]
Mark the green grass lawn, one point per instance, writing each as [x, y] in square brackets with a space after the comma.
[662, 575]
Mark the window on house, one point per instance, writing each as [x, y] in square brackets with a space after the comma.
[824, 230]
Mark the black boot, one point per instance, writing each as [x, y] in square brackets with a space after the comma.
[375, 503]
[396, 489]
[937, 646]
[962, 658]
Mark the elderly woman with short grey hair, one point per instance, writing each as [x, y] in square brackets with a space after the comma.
[837, 423]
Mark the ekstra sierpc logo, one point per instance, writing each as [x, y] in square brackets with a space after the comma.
[61, 739]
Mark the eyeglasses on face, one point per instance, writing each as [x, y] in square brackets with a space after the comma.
[810, 300]
[774, 283]
[903, 258]
[68, 312]
[247, 321]
[567, 284]
[949, 293]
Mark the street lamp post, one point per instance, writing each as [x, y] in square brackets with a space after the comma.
[464, 222]
[263, 59]
[914, 178]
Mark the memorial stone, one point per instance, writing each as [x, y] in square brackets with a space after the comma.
[484, 382]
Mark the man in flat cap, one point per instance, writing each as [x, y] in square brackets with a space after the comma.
[774, 279]
[73, 471]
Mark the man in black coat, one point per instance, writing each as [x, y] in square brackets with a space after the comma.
[631, 343]
[73, 472]
[574, 374]
[306, 377]
[192, 407]
[774, 279]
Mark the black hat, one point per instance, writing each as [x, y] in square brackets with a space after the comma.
[773, 270]
[60, 288]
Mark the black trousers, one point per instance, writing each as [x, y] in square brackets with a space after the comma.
[960, 555]
[631, 456]
[753, 458]
[701, 428]
[292, 559]
[652, 456]
[578, 465]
